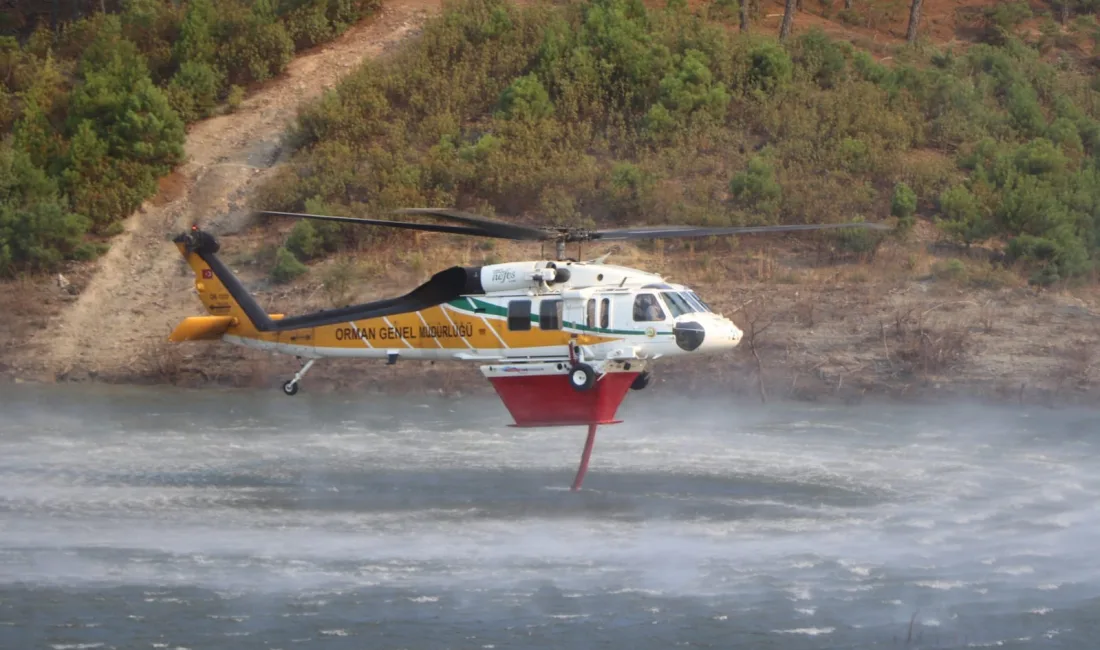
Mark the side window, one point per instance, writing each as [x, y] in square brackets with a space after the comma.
[605, 313]
[647, 309]
[550, 314]
[519, 315]
[591, 312]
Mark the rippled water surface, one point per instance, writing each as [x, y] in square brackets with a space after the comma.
[160, 518]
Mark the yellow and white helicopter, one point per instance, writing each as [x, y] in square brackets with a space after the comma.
[561, 341]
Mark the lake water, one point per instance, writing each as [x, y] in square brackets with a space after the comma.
[165, 518]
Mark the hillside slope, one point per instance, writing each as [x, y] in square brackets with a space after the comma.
[136, 292]
[902, 323]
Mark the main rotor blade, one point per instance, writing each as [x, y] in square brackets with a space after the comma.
[664, 232]
[405, 225]
[496, 228]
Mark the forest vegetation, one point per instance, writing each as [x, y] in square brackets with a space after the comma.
[614, 112]
[607, 112]
[94, 104]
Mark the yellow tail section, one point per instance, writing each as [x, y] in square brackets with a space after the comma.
[213, 294]
[226, 314]
[201, 328]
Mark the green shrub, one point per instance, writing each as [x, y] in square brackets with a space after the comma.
[952, 270]
[868, 69]
[252, 44]
[287, 267]
[963, 217]
[7, 109]
[303, 241]
[1004, 17]
[194, 89]
[103, 188]
[858, 241]
[526, 99]
[152, 25]
[756, 187]
[631, 188]
[130, 114]
[851, 17]
[196, 41]
[820, 59]
[690, 87]
[309, 24]
[855, 155]
[771, 66]
[37, 229]
[903, 203]
[1063, 253]
[338, 282]
[235, 97]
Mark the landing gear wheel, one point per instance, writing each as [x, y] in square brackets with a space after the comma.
[291, 386]
[582, 377]
[641, 381]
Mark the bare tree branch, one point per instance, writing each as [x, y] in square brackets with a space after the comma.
[755, 329]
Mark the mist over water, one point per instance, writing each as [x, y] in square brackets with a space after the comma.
[170, 518]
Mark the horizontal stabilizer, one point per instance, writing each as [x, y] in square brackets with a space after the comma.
[201, 328]
[467, 356]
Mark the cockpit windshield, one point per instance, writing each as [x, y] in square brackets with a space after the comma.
[697, 301]
[683, 302]
[676, 303]
[680, 303]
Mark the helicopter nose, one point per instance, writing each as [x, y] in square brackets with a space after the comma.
[713, 336]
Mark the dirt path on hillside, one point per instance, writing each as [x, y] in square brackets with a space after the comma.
[141, 289]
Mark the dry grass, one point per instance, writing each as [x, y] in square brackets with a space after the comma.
[30, 304]
[165, 360]
[926, 347]
[1075, 364]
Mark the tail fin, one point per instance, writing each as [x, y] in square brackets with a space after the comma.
[220, 291]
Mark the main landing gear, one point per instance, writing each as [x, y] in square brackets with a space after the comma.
[291, 386]
[582, 376]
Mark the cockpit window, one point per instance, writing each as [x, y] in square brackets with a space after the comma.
[647, 309]
[683, 302]
[676, 303]
[697, 301]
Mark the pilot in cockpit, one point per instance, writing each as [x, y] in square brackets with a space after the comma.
[647, 309]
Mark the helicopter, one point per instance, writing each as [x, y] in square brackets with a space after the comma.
[561, 341]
